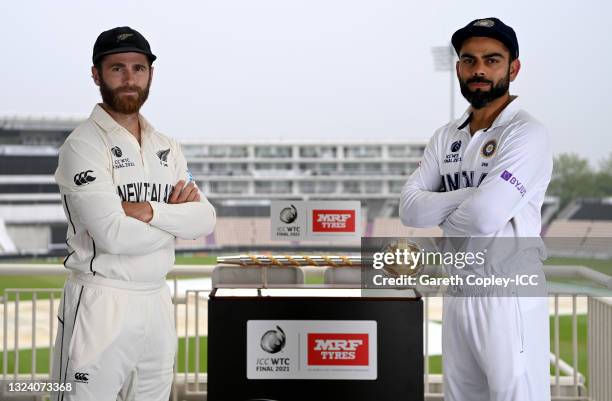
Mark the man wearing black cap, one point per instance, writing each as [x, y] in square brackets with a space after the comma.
[127, 194]
[482, 177]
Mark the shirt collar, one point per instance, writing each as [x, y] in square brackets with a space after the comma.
[465, 119]
[108, 124]
[506, 115]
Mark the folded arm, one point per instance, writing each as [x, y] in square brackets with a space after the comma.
[421, 203]
[523, 164]
[185, 219]
[85, 179]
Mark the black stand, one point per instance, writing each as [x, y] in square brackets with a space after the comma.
[399, 347]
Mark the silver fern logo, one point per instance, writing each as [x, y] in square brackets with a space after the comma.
[123, 36]
[163, 157]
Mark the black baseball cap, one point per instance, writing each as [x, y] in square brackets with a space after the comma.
[489, 28]
[122, 39]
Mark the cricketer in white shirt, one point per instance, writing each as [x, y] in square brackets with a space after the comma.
[116, 318]
[488, 182]
[493, 185]
[121, 183]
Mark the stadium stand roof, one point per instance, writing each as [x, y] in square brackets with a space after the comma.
[39, 122]
[30, 214]
[589, 209]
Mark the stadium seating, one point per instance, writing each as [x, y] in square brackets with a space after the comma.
[584, 238]
[393, 227]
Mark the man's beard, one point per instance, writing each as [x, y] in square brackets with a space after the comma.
[124, 104]
[478, 98]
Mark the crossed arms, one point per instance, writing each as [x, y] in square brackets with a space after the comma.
[121, 227]
[484, 210]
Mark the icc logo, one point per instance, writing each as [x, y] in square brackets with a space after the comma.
[273, 341]
[117, 151]
[288, 214]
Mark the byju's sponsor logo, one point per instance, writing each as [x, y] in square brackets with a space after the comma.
[519, 186]
[163, 156]
[288, 214]
[83, 177]
[338, 349]
[273, 341]
[116, 151]
[330, 221]
[81, 377]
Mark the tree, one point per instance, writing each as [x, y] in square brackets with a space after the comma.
[572, 178]
[603, 178]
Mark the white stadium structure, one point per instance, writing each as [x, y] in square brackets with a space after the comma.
[240, 179]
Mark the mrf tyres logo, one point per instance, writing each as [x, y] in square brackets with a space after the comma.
[338, 349]
[519, 186]
[333, 221]
[84, 177]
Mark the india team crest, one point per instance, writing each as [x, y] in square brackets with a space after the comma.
[489, 148]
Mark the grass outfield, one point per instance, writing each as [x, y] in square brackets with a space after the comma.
[601, 265]
[435, 362]
[604, 266]
[58, 281]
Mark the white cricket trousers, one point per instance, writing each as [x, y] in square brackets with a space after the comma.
[496, 349]
[116, 340]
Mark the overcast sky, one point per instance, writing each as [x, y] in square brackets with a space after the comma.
[311, 69]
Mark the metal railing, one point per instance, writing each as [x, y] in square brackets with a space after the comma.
[600, 348]
[567, 383]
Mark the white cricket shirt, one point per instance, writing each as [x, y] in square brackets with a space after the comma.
[491, 184]
[100, 165]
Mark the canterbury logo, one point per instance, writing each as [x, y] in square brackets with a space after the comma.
[83, 177]
[163, 156]
[81, 377]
